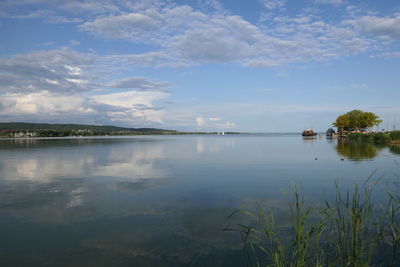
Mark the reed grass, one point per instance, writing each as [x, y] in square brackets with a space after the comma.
[379, 137]
[389, 228]
[351, 226]
[350, 231]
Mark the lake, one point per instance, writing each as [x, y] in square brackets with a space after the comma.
[161, 200]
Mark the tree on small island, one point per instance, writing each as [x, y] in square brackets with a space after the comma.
[356, 120]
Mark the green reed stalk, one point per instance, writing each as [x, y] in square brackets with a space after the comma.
[351, 227]
[389, 228]
[263, 238]
[350, 231]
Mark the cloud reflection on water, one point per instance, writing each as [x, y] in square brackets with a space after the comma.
[44, 165]
[61, 181]
[65, 182]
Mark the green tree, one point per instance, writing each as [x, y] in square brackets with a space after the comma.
[370, 120]
[356, 120]
[342, 122]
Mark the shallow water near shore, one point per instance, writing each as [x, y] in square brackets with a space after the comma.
[161, 200]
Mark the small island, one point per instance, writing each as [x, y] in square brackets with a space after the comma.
[358, 125]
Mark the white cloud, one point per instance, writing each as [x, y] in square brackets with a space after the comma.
[215, 4]
[32, 14]
[44, 103]
[183, 33]
[181, 36]
[130, 26]
[61, 70]
[227, 125]
[140, 84]
[329, 2]
[272, 4]
[130, 99]
[184, 36]
[75, 43]
[90, 6]
[214, 118]
[389, 55]
[60, 19]
[134, 106]
[154, 59]
[200, 121]
[129, 108]
[185, 119]
[382, 27]
[63, 85]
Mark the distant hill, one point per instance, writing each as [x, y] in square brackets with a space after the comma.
[12, 126]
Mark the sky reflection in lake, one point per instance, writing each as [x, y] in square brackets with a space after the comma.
[158, 201]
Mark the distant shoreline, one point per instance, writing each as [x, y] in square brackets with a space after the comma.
[23, 136]
[39, 130]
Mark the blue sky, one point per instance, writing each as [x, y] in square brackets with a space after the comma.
[254, 66]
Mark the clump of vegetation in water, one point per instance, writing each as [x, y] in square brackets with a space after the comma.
[380, 137]
[395, 135]
[349, 231]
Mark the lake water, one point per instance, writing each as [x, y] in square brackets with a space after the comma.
[160, 200]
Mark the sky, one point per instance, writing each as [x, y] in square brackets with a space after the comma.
[199, 65]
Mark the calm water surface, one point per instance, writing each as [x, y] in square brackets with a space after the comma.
[160, 200]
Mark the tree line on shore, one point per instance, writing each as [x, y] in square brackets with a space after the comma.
[21, 129]
[30, 130]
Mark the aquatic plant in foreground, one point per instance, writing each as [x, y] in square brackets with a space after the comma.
[350, 231]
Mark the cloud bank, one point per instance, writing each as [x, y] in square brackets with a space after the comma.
[64, 85]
